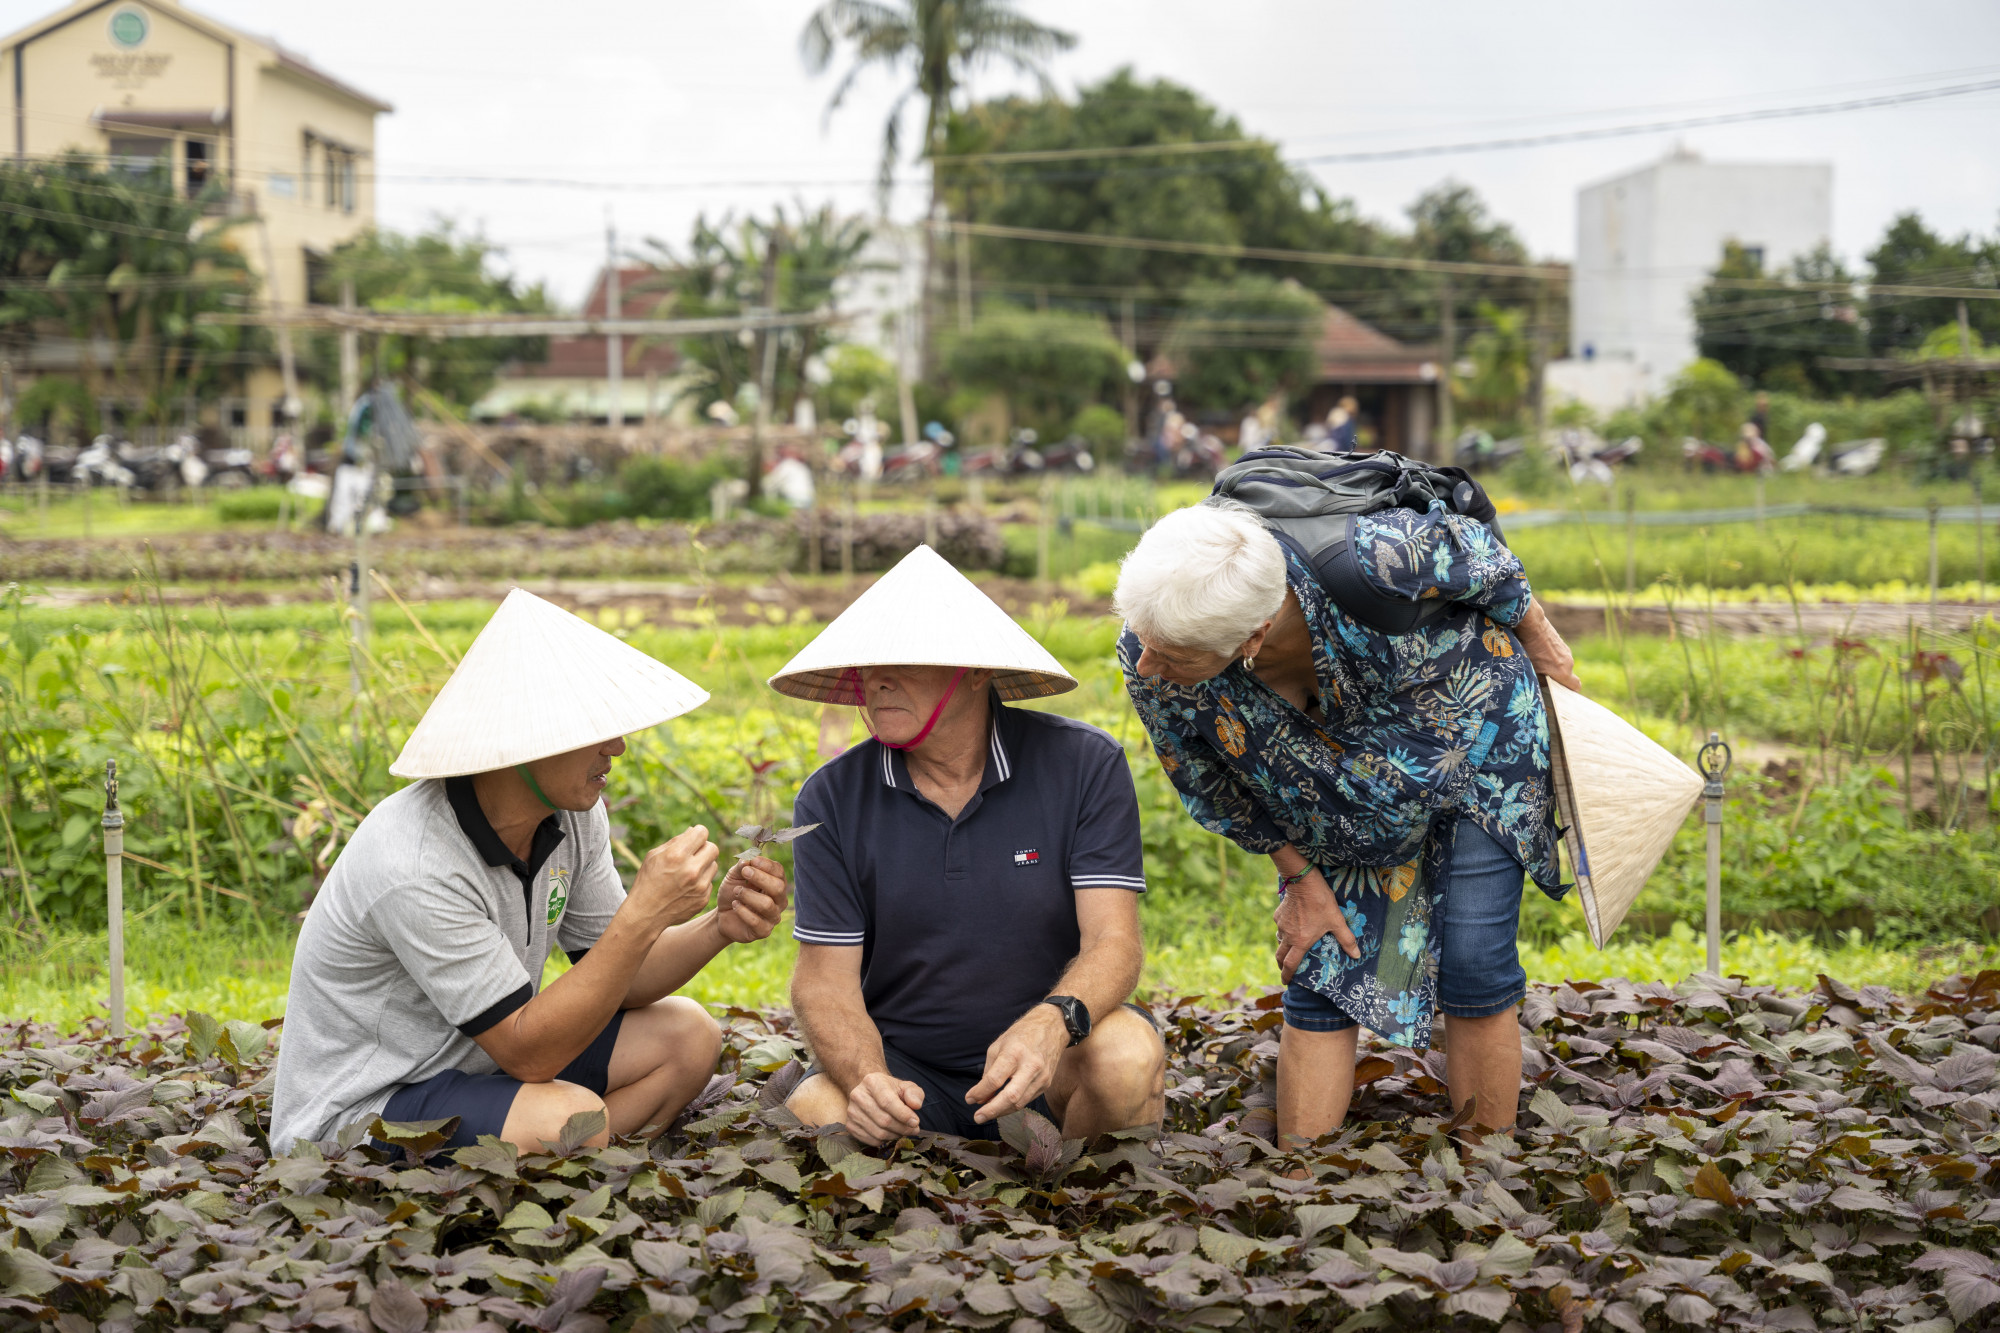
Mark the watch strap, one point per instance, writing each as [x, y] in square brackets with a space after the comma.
[1076, 1018]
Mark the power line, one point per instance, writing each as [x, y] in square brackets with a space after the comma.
[1488, 145]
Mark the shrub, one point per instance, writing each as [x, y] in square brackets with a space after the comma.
[263, 505]
[651, 487]
[1103, 427]
[1047, 363]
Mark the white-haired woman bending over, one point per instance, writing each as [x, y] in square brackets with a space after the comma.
[1399, 783]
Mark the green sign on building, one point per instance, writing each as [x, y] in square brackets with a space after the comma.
[129, 27]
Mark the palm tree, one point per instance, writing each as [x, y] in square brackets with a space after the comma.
[938, 42]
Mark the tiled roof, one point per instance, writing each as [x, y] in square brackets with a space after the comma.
[585, 358]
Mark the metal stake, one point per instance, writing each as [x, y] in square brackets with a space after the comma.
[1714, 760]
[114, 893]
[1934, 562]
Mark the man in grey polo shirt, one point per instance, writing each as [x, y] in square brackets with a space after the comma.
[416, 984]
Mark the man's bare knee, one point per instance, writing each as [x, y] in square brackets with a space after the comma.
[691, 1031]
[817, 1101]
[1124, 1062]
[540, 1111]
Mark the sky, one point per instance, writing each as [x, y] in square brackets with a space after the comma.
[657, 110]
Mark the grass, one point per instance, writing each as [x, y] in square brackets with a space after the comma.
[242, 970]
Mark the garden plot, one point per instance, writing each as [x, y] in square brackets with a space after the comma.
[1712, 1155]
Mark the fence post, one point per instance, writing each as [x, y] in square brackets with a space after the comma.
[1631, 541]
[1979, 534]
[847, 538]
[1714, 759]
[1042, 525]
[1933, 506]
[114, 894]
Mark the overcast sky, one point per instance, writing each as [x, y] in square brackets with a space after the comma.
[691, 104]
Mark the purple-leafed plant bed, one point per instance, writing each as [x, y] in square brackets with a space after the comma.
[1726, 1156]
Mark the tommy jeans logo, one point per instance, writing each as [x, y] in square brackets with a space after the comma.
[1027, 858]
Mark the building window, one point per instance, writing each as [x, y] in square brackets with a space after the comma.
[347, 182]
[199, 165]
[1754, 255]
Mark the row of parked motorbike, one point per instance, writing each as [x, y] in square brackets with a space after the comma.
[108, 461]
[1023, 455]
[1589, 457]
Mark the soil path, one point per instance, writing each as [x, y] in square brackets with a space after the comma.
[781, 597]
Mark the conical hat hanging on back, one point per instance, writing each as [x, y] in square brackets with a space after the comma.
[922, 613]
[1621, 797]
[539, 681]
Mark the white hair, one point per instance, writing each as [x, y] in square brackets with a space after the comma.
[1202, 578]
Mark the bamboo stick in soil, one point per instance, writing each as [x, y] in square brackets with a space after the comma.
[114, 894]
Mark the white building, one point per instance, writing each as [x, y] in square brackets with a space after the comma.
[1645, 243]
[884, 291]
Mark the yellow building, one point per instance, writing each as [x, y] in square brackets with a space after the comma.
[138, 81]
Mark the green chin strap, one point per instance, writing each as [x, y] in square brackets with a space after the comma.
[534, 786]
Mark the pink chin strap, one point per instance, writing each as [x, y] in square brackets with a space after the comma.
[860, 701]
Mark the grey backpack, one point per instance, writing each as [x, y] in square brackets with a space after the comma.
[1309, 500]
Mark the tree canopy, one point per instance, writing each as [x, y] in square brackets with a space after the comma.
[1911, 254]
[1048, 365]
[1246, 196]
[438, 271]
[125, 264]
[732, 266]
[1240, 342]
[1774, 336]
[936, 42]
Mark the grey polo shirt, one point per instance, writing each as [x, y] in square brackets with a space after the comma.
[427, 932]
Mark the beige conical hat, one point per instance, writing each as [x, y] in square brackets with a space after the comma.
[922, 613]
[1621, 796]
[539, 681]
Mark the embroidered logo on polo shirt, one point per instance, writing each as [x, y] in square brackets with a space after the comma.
[558, 893]
[1027, 858]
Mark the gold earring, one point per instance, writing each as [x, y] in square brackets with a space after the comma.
[1249, 664]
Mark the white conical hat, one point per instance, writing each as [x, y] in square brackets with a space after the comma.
[539, 681]
[1622, 798]
[922, 613]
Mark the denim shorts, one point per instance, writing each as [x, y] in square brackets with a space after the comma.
[1479, 970]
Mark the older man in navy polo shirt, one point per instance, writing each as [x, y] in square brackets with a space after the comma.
[968, 918]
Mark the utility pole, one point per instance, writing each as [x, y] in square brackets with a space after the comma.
[965, 279]
[614, 344]
[350, 357]
[1448, 353]
[767, 373]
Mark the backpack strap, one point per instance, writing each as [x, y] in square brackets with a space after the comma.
[1338, 569]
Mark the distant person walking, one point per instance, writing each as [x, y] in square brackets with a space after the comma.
[1343, 423]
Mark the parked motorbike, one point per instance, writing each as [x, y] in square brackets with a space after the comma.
[1069, 455]
[1750, 454]
[231, 469]
[99, 465]
[1478, 451]
[1806, 452]
[1198, 455]
[1017, 458]
[1857, 458]
[912, 462]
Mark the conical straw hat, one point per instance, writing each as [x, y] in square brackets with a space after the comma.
[539, 681]
[1622, 798]
[922, 613]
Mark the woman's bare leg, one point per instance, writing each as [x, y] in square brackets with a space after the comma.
[1483, 1060]
[1315, 1082]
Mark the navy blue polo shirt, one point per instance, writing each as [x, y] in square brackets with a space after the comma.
[965, 923]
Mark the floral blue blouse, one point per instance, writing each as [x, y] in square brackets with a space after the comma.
[1414, 732]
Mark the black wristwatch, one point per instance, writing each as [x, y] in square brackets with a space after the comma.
[1075, 1016]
